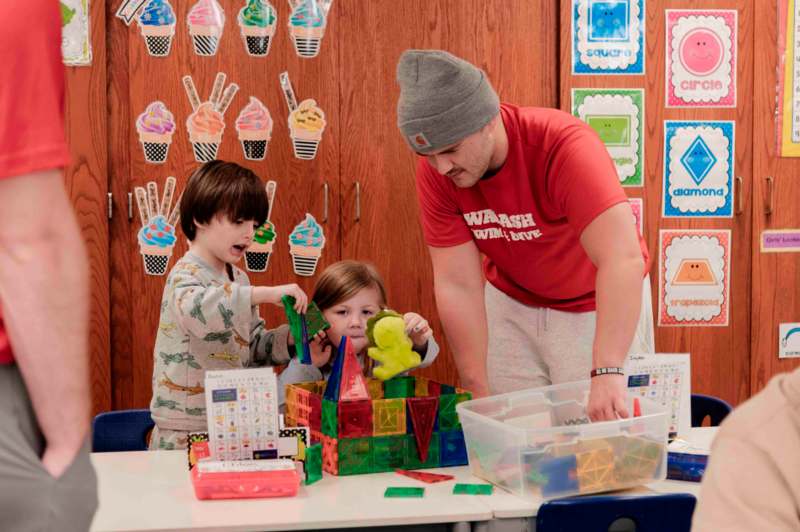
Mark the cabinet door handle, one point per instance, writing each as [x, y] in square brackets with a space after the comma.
[110, 205]
[130, 206]
[770, 191]
[325, 202]
[358, 201]
[739, 198]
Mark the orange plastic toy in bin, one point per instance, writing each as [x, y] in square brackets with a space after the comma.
[245, 479]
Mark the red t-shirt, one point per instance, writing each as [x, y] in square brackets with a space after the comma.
[527, 218]
[31, 96]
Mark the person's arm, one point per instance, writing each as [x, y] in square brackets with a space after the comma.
[612, 245]
[44, 286]
[458, 286]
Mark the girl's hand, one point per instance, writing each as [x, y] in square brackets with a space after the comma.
[321, 349]
[417, 329]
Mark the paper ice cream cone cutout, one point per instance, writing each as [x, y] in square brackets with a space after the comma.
[206, 20]
[305, 246]
[254, 126]
[155, 126]
[206, 124]
[307, 27]
[157, 235]
[256, 257]
[157, 24]
[257, 22]
[306, 124]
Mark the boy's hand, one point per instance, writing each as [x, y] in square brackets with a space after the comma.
[273, 294]
[417, 329]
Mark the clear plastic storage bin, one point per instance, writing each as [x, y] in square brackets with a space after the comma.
[540, 442]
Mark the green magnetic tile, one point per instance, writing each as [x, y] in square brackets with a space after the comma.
[404, 492]
[472, 489]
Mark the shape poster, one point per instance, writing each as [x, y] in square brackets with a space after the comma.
[617, 115]
[698, 169]
[701, 58]
[788, 118]
[608, 36]
[694, 277]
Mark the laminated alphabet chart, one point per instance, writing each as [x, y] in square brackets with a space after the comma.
[701, 58]
[694, 277]
[698, 169]
[242, 409]
[608, 36]
[788, 119]
[665, 379]
[617, 115]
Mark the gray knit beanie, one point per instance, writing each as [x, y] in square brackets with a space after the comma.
[443, 99]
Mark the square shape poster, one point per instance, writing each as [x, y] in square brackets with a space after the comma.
[701, 57]
[694, 277]
[698, 169]
[617, 116]
[608, 36]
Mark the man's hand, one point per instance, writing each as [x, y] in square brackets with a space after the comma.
[607, 398]
[56, 460]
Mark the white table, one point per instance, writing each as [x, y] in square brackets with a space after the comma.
[151, 490]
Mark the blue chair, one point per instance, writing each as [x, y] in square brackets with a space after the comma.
[121, 430]
[708, 406]
[603, 513]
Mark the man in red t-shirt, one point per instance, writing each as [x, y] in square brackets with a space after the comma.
[46, 479]
[535, 192]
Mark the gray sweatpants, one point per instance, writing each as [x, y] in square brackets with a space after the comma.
[31, 499]
[535, 346]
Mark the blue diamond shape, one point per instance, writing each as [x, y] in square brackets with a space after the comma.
[698, 160]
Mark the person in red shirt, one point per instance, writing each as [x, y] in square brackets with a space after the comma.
[535, 192]
[46, 479]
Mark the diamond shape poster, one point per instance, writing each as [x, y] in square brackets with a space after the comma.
[694, 277]
[617, 115]
[698, 169]
[701, 58]
[607, 36]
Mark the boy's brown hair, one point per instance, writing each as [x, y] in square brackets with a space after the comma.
[342, 280]
[220, 188]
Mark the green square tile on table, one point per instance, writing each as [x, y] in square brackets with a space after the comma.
[404, 492]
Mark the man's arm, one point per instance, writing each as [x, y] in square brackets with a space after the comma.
[45, 292]
[458, 285]
[612, 245]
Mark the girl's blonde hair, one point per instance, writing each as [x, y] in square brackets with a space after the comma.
[344, 279]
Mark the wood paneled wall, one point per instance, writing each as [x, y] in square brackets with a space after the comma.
[87, 182]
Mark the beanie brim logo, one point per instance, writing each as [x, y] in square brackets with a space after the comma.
[419, 140]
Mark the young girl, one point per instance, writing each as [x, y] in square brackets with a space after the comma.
[349, 293]
[209, 312]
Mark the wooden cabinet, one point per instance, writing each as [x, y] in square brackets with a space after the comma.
[368, 172]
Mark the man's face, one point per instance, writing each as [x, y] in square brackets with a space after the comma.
[467, 161]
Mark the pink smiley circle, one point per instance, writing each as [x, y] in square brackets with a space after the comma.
[701, 52]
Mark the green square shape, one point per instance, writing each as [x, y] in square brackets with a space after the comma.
[412, 455]
[329, 426]
[399, 387]
[388, 453]
[355, 456]
[448, 417]
[404, 492]
[313, 463]
[472, 489]
[613, 130]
